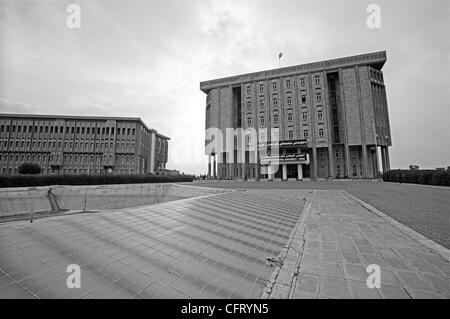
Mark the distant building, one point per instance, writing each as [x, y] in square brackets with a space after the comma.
[80, 144]
[328, 119]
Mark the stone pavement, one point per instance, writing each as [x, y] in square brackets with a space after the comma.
[340, 238]
[238, 244]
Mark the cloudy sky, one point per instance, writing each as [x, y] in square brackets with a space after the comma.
[146, 59]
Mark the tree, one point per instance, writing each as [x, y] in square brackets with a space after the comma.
[29, 168]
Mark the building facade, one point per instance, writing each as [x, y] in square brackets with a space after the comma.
[80, 144]
[327, 119]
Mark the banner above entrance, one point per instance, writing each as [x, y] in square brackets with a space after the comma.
[291, 143]
[286, 158]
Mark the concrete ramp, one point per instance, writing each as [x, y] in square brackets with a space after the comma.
[17, 201]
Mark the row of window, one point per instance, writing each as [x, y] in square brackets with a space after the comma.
[67, 158]
[290, 118]
[52, 145]
[275, 135]
[288, 101]
[287, 82]
[60, 129]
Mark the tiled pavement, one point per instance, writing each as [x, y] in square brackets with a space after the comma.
[209, 247]
[342, 238]
[216, 247]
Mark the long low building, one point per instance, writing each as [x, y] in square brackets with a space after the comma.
[326, 119]
[80, 144]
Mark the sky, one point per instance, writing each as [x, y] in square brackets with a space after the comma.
[146, 59]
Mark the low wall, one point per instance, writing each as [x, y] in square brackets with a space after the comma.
[16, 201]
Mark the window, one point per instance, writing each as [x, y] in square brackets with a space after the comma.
[289, 117]
[303, 98]
[321, 132]
[318, 97]
[248, 89]
[262, 120]
[275, 119]
[261, 88]
[275, 102]
[302, 82]
[354, 170]
[336, 155]
[305, 133]
[274, 86]
[338, 170]
[319, 115]
[249, 122]
[291, 135]
[305, 116]
[289, 100]
[317, 79]
[261, 103]
[288, 84]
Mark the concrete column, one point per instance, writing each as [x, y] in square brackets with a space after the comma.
[299, 171]
[209, 166]
[330, 161]
[383, 159]
[214, 167]
[365, 171]
[270, 172]
[284, 172]
[347, 172]
[376, 165]
[388, 162]
[314, 164]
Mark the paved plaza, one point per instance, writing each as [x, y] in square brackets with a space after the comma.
[237, 244]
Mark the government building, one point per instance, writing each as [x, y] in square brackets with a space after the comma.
[326, 119]
[80, 144]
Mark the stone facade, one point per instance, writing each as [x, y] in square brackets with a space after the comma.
[80, 144]
[337, 109]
